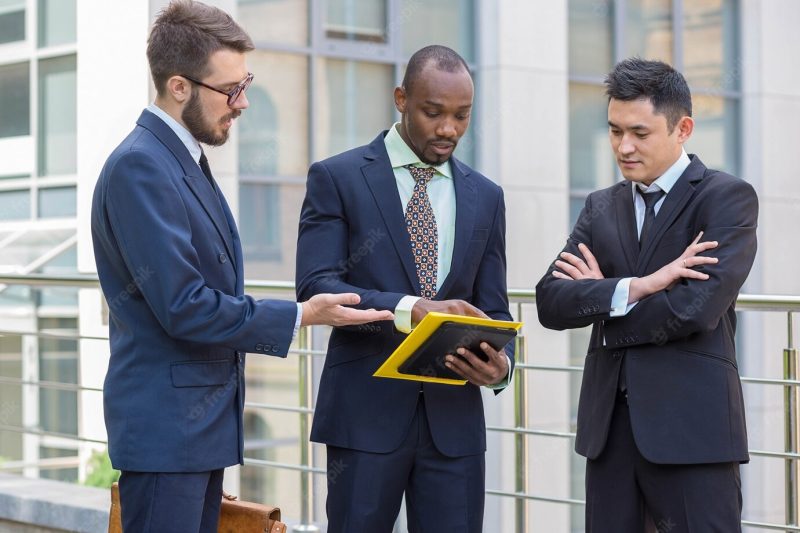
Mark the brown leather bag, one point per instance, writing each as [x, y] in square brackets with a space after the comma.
[235, 516]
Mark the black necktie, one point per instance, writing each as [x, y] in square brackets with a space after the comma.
[650, 201]
[206, 169]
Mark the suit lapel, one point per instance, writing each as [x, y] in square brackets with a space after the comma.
[674, 202]
[466, 202]
[626, 223]
[236, 244]
[193, 176]
[381, 182]
[211, 204]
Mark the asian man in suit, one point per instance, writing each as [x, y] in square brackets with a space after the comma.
[654, 264]
[170, 265]
[411, 229]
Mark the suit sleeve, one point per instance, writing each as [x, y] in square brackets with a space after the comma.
[322, 245]
[148, 219]
[567, 304]
[698, 305]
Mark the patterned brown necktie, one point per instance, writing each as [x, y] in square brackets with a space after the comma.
[421, 225]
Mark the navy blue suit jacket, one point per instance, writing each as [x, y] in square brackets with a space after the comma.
[353, 238]
[677, 345]
[170, 264]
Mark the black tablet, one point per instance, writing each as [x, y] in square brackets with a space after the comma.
[428, 359]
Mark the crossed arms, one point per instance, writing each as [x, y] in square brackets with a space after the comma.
[575, 293]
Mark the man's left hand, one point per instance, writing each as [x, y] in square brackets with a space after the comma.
[573, 267]
[476, 370]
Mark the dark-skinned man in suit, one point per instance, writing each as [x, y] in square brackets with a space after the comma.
[435, 233]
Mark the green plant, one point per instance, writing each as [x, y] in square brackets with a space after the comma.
[100, 472]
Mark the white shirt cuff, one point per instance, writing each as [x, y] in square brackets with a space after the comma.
[298, 320]
[402, 313]
[619, 300]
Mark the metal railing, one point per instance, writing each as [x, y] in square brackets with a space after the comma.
[521, 430]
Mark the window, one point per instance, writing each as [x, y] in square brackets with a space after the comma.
[648, 29]
[57, 202]
[57, 23]
[447, 22]
[10, 395]
[15, 204]
[275, 21]
[15, 97]
[12, 21]
[260, 212]
[58, 362]
[58, 95]
[362, 20]
[355, 103]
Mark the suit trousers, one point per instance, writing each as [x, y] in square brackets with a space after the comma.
[625, 493]
[443, 494]
[154, 502]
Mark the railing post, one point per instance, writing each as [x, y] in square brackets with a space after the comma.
[306, 400]
[791, 402]
[520, 440]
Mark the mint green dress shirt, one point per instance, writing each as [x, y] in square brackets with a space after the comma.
[442, 195]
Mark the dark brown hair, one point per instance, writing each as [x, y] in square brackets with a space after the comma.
[184, 36]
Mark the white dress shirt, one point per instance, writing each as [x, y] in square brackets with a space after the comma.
[619, 300]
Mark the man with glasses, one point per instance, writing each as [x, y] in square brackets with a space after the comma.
[170, 264]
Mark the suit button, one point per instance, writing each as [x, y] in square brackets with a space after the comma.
[616, 355]
[259, 347]
[274, 349]
[267, 347]
[222, 258]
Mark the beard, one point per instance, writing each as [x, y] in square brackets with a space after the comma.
[195, 120]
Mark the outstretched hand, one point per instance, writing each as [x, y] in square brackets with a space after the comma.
[330, 309]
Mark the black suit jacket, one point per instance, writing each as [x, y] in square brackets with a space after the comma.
[353, 238]
[684, 393]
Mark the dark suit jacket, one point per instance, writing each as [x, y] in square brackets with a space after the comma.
[353, 238]
[684, 393]
[170, 265]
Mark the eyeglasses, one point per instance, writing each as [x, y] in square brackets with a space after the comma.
[233, 94]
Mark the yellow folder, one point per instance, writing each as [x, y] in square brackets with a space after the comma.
[420, 357]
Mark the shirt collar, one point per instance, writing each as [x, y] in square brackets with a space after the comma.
[400, 154]
[183, 134]
[668, 179]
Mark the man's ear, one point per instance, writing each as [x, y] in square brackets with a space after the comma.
[685, 128]
[179, 89]
[400, 99]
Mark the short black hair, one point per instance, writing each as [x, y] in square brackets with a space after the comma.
[443, 58]
[666, 88]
